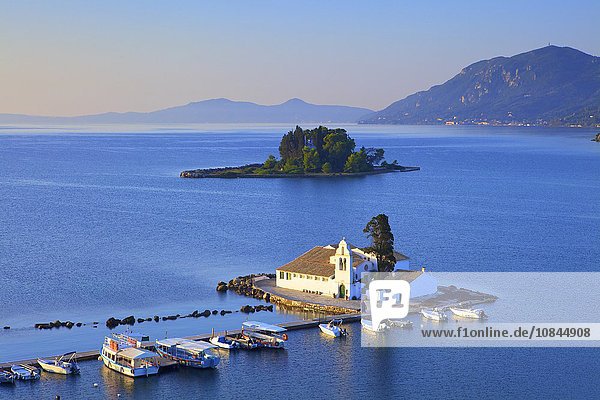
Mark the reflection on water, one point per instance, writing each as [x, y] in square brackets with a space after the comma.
[106, 213]
[114, 383]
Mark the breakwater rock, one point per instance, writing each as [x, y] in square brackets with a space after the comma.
[244, 286]
[56, 324]
[248, 309]
[113, 322]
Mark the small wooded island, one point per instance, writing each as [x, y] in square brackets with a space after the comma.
[310, 153]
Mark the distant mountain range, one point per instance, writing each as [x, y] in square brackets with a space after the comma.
[548, 86]
[212, 111]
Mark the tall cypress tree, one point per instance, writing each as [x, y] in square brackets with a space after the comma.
[382, 242]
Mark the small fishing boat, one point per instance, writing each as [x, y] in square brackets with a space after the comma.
[433, 314]
[400, 323]
[65, 364]
[25, 372]
[119, 354]
[7, 377]
[468, 312]
[224, 342]
[264, 335]
[241, 340]
[333, 328]
[368, 325]
[189, 353]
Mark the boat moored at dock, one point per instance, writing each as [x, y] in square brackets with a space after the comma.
[120, 354]
[264, 335]
[399, 323]
[224, 342]
[367, 324]
[189, 353]
[25, 372]
[333, 328]
[7, 377]
[434, 314]
[468, 312]
[65, 364]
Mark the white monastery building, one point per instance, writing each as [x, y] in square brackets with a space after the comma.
[335, 270]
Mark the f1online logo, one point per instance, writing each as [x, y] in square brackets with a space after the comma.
[388, 300]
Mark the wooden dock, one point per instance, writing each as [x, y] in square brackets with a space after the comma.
[293, 325]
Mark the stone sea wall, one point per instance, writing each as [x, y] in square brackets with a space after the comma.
[245, 286]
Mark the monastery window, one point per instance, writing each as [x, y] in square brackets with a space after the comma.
[294, 275]
[281, 274]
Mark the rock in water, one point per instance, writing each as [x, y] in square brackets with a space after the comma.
[247, 309]
[112, 323]
[128, 320]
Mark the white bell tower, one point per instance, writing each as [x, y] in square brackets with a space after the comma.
[343, 269]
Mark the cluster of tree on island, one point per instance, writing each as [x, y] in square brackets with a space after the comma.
[323, 150]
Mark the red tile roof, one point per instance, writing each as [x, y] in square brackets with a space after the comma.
[316, 262]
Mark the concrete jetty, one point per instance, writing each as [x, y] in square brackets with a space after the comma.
[293, 325]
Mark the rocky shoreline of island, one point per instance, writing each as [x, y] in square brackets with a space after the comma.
[250, 171]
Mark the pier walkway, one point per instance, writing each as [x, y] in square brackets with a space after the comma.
[293, 325]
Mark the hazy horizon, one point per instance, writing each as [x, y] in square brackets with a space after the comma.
[67, 58]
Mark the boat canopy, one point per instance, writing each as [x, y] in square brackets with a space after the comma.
[131, 337]
[135, 353]
[186, 344]
[261, 326]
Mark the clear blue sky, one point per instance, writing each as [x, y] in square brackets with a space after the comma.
[77, 57]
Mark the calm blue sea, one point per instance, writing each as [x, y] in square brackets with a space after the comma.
[94, 222]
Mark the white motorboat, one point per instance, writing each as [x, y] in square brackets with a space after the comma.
[368, 325]
[65, 364]
[400, 323]
[433, 314]
[7, 377]
[468, 312]
[240, 340]
[333, 328]
[264, 335]
[189, 353]
[121, 355]
[224, 342]
[25, 372]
